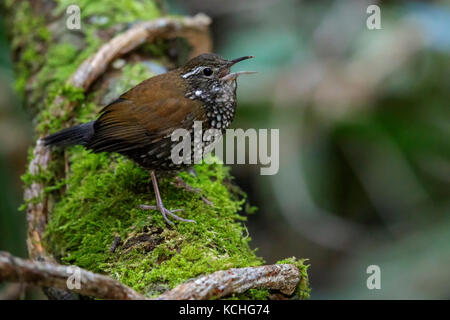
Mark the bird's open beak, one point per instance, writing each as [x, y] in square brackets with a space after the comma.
[234, 75]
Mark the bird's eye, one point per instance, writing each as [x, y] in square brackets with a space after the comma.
[207, 72]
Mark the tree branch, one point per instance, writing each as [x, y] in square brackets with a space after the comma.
[193, 29]
[282, 277]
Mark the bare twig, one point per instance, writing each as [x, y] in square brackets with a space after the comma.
[282, 277]
[46, 274]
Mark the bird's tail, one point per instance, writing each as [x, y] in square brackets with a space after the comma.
[80, 134]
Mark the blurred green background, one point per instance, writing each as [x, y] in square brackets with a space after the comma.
[364, 120]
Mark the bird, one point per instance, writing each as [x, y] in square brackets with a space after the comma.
[140, 122]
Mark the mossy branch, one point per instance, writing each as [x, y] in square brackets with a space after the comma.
[46, 274]
[79, 203]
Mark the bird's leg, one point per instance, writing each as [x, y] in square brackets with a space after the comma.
[180, 183]
[159, 204]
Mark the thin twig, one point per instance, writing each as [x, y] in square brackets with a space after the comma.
[46, 274]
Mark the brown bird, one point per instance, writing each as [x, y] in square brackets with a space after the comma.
[140, 122]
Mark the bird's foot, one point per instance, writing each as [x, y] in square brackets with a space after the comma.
[166, 212]
[180, 183]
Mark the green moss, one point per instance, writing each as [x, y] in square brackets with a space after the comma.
[59, 65]
[303, 290]
[30, 36]
[252, 294]
[102, 201]
[132, 75]
[118, 11]
[59, 61]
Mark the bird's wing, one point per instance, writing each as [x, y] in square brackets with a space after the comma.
[142, 117]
